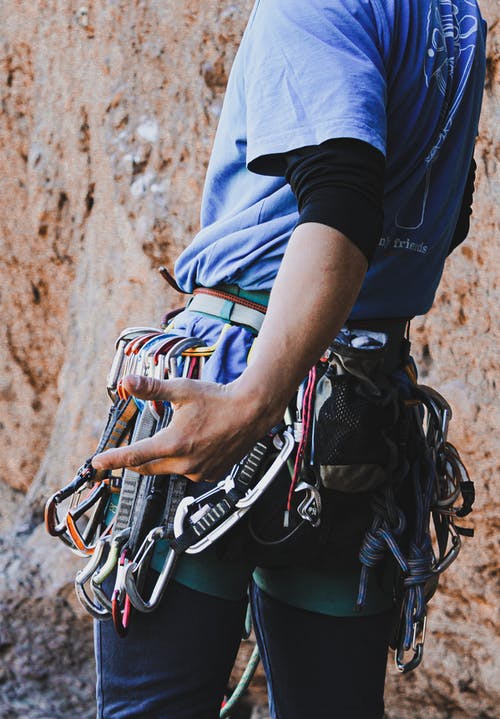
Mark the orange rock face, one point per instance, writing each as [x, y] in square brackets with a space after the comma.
[107, 116]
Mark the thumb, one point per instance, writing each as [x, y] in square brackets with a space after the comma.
[172, 390]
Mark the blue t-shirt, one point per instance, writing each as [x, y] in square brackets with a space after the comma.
[406, 77]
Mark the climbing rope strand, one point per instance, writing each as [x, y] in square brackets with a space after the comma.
[307, 411]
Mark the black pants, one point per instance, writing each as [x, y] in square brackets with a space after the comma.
[175, 663]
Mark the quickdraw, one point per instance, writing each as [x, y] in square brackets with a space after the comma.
[118, 521]
[200, 522]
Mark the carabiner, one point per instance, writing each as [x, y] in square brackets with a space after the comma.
[440, 406]
[130, 333]
[285, 444]
[120, 602]
[117, 543]
[176, 351]
[145, 352]
[439, 415]
[310, 507]
[417, 645]
[54, 526]
[135, 566]
[117, 365]
[98, 612]
[86, 541]
[453, 552]
[159, 351]
[222, 516]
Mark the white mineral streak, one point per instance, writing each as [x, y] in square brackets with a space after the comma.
[142, 184]
[149, 131]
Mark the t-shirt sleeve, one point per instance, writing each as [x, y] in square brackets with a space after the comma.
[314, 71]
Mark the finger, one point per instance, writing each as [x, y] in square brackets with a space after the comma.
[172, 390]
[138, 453]
[167, 466]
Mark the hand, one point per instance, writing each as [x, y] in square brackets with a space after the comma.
[212, 428]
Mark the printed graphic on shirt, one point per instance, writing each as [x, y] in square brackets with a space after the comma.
[451, 42]
[413, 217]
[403, 243]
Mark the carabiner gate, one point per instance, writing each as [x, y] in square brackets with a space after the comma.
[417, 646]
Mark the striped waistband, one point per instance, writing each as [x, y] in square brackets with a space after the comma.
[256, 297]
[240, 308]
[232, 304]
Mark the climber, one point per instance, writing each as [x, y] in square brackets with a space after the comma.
[340, 179]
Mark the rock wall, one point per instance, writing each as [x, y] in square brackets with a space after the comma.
[107, 115]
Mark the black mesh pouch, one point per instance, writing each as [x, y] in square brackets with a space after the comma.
[358, 417]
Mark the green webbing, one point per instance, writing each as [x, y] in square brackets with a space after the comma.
[261, 297]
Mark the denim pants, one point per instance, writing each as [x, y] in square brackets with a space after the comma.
[175, 663]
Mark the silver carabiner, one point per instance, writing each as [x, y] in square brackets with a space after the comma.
[134, 567]
[175, 352]
[143, 364]
[285, 444]
[443, 408]
[417, 646]
[131, 333]
[95, 610]
[437, 405]
[243, 505]
[97, 579]
[118, 364]
[453, 552]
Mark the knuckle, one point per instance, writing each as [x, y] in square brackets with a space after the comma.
[134, 458]
[154, 385]
[184, 466]
[144, 469]
[195, 477]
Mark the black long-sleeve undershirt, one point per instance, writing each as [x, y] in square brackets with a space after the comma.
[340, 183]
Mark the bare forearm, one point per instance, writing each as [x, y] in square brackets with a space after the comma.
[317, 284]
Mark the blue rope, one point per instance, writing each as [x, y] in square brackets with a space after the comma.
[419, 572]
[377, 540]
[382, 537]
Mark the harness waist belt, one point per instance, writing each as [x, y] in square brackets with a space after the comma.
[227, 306]
[240, 309]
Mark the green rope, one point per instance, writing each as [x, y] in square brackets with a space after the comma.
[248, 622]
[242, 684]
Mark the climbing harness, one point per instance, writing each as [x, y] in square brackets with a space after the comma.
[360, 426]
[372, 439]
